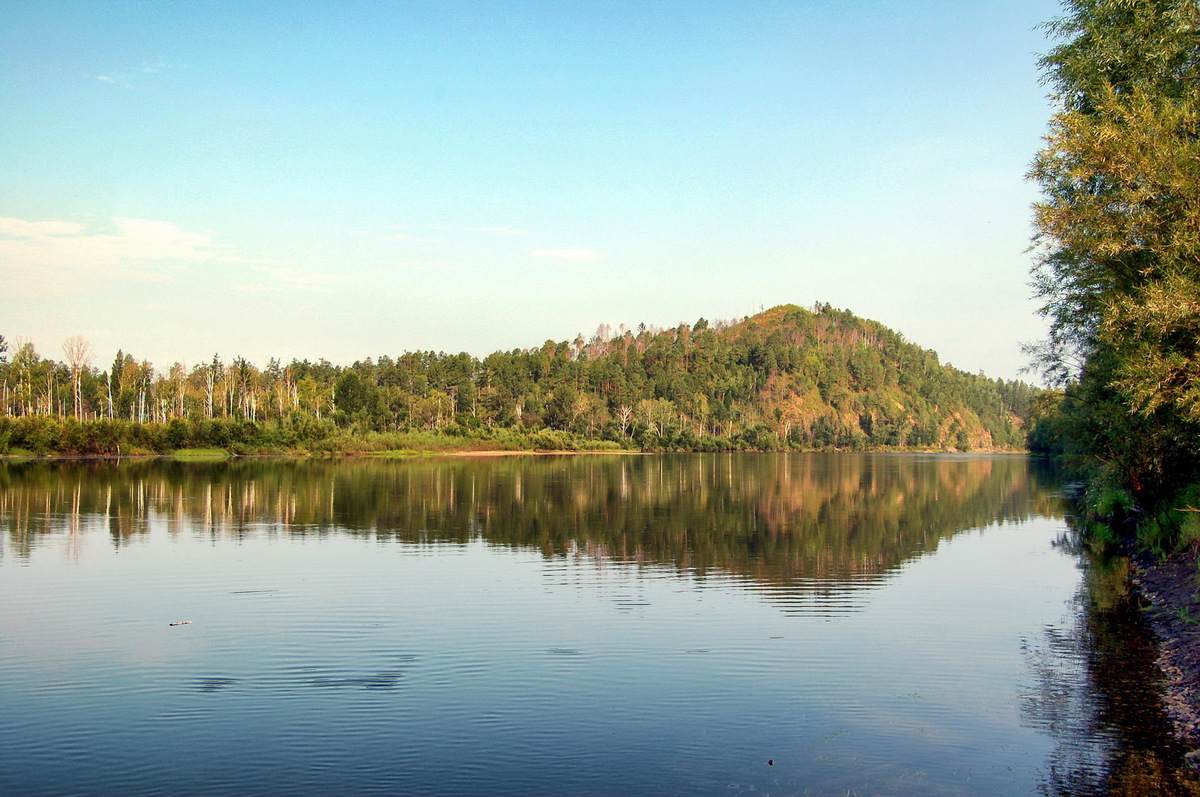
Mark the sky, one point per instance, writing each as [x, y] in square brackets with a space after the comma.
[347, 180]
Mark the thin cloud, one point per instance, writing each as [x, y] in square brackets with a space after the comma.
[400, 236]
[567, 254]
[405, 234]
[20, 228]
[501, 231]
[125, 78]
[294, 279]
[117, 79]
[57, 256]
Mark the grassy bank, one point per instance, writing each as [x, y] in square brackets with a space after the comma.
[208, 439]
[200, 454]
[217, 439]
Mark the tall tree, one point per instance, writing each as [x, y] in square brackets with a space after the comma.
[1118, 231]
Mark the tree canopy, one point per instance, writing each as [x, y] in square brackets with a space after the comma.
[1118, 238]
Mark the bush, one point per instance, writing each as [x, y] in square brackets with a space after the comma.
[177, 433]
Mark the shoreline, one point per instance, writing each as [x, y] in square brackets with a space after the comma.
[386, 454]
[1169, 586]
[220, 455]
[501, 452]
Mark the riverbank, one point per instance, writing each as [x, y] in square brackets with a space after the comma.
[221, 454]
[31, 436]
[1168, 588]
[204, 439]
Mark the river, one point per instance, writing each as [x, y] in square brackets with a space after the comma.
[865, 624]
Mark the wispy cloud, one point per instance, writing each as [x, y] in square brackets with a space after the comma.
[125, 77]
[55, 256]
[404, 236]
[116, 79]
[501, 231]
[568, 254]
[293, 279]
[20, 228]
[126, 239]
[410, 234]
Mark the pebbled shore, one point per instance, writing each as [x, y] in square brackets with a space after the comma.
[1171, 588]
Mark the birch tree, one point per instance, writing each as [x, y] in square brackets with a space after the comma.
[79, 354]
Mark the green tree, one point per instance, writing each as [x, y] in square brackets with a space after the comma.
[1118, 236]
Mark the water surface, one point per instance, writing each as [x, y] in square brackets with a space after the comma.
[697, 624]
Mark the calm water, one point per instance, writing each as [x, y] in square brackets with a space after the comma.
[566, 625]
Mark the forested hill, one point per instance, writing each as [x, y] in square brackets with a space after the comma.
[786, 378]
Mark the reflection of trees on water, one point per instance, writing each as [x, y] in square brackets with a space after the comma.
[773, 518]
[789, 523]
[1096, 680]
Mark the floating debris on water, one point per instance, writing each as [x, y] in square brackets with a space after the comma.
[180, 622]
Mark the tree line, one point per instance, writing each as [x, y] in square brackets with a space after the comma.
[790, 377]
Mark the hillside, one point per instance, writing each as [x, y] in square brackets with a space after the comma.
[790, 376]
[786, 378]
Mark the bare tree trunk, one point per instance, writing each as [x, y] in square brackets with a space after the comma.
[624, 416]
[208, 393]
[179, 391]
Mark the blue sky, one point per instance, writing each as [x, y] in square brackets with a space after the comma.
[361, 179]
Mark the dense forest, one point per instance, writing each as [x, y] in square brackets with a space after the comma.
[1119, 262]
[787, 378]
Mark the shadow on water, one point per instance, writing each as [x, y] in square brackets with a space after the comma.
[1097, 692]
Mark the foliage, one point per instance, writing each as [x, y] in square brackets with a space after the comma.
[1118, 247]
[786, 378]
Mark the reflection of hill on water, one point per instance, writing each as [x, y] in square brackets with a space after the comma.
[776, 519]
